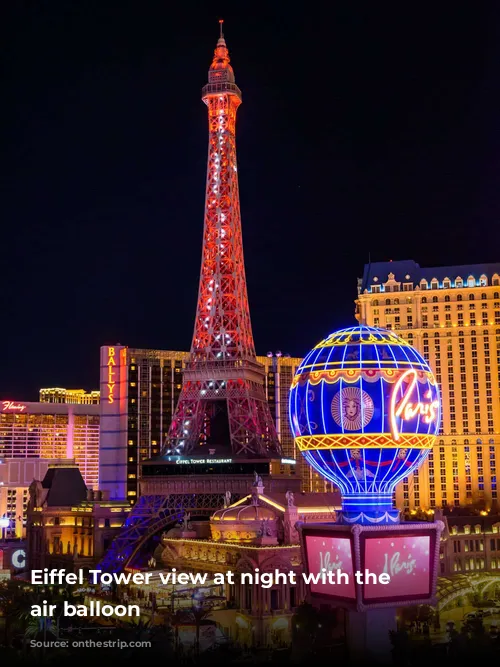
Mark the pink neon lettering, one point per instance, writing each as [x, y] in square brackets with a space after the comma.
[407, 410]
[13, 407]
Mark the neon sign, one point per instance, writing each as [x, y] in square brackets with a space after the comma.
[111, 374]
[10, 406]
[407, 410]
[196, 461]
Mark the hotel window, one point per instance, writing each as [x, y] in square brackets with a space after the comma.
[434, 284]
[446, 284]
[375, 288]
[424, 299]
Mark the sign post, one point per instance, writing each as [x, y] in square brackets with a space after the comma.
[365, 411]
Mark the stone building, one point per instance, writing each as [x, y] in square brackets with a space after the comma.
[256, 533]
[69, 526]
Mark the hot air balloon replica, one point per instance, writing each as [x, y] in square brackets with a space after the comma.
[365, 411]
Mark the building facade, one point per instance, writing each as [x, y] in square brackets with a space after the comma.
[451, 315]
[137, 408]
[70, 526]
[256, 532]
[32, 435]
[72, 396]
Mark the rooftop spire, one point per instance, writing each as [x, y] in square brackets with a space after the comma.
[221, 60]
[222, 41]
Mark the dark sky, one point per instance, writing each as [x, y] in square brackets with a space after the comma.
[369, 129]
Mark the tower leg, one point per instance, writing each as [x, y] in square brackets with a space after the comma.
[368, 636]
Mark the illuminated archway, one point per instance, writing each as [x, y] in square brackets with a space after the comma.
[464, 585]
[151, 516]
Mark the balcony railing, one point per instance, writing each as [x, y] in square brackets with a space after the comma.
[223, 87]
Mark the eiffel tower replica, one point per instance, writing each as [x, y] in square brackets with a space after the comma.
[222, 434]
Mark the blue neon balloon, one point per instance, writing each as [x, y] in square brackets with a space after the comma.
[365, 411]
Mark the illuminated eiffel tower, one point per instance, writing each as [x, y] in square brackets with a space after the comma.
[222, 403]
[222, 429]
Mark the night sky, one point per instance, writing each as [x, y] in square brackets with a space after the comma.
[370, 130]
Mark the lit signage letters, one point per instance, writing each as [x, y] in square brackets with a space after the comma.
[10, 406]
[395, 564]
[111, 374]
[407, 560]
[18, 559]
[405, 408]
[180, 461]
[291, 462]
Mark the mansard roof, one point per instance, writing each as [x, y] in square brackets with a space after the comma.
[408, 267]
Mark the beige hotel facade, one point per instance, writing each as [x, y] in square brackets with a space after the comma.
[452, 316]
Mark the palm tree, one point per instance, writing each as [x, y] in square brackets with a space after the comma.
[199, 614]
[177, 618]
[16, 600]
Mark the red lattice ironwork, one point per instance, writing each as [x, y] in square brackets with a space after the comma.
[223, 367]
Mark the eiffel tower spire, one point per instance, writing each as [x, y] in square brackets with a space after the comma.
[222, 402]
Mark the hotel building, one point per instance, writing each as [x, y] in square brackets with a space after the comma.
[451, 315]
[72, 396]
[70, 525]
[33, 435]
[139, 392]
